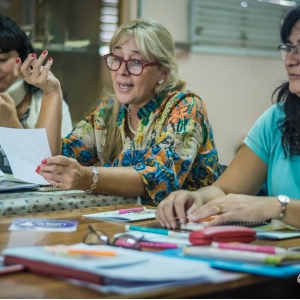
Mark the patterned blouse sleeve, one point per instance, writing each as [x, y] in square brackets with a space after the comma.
[80, 144]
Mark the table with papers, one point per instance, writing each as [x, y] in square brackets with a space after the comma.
[31, 285]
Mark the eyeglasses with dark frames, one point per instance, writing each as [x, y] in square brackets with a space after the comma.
[126, 240]
[285, 49]
[133, 66]
[100, 237]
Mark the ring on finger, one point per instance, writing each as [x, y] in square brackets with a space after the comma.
[57, 185]
[219, 209]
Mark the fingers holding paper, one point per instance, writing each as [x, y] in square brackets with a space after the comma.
[64, 173]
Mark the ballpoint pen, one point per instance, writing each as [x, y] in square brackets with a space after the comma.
[77, 251]
[157, 245]
[250, 247]
[148, 244]
[129, 210]
[158, 231]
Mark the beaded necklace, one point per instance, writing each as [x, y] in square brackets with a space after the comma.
[129, 122]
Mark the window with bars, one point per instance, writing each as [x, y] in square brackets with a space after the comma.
[248, 27]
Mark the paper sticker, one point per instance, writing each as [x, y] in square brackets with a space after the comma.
[44, 225]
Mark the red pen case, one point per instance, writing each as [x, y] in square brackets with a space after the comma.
[211, 234]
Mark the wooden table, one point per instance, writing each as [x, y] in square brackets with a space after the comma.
[29, 285]
[31, 201]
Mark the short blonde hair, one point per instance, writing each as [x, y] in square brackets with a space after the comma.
[155, 43]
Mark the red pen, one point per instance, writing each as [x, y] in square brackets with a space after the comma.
[250, 247]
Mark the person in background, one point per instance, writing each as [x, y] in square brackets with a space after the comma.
[20, 102]
[148, 138]
[271, 152]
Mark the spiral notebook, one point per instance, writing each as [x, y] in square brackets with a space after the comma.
[197, 226]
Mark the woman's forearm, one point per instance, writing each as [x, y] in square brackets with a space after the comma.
[210, 192]
[123, 181]
[50, 118]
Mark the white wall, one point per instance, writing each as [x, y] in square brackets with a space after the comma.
[236, 90]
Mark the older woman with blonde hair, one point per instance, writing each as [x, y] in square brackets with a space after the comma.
[148, 138]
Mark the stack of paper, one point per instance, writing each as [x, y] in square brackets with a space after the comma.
[130, 271]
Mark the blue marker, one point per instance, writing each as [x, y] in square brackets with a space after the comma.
[158, 231]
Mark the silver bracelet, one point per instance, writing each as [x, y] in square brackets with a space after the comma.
[95, 179]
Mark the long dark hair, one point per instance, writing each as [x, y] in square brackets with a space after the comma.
[12, 37]
[285, 99]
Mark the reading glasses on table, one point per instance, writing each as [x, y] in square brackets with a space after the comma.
[125, 240]
[100, 237]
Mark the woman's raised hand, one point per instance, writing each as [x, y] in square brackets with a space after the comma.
[35, 73]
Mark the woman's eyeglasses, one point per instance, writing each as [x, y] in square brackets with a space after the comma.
[285, 49]
[100, 237]
[133, 66]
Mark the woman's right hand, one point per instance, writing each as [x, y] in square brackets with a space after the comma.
[8, 112]
[177, 204]
[35, 73]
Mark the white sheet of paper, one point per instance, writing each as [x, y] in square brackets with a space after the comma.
[25, 149]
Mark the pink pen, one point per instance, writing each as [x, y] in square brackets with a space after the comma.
[250, 247]
[145, 244]
[158, 245]
[129, 210]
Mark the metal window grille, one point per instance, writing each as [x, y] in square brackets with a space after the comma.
[237, 27]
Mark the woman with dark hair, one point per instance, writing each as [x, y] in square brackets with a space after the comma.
[20, 103]
[271, 152]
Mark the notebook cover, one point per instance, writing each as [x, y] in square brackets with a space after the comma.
[44, 268]
[6, 185]
[258, 269]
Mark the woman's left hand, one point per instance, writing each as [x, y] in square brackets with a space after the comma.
[234, 207]
[64, 173]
